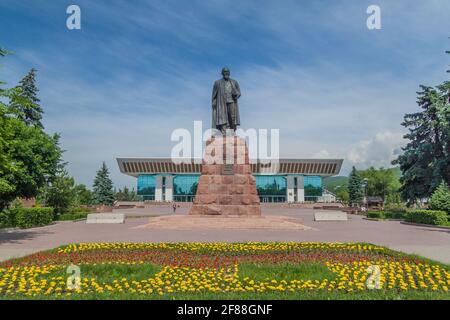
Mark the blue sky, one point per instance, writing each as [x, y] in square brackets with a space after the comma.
[137, 70]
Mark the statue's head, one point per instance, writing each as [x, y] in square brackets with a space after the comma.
[225, 73]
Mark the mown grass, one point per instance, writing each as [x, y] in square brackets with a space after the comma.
[306, 271]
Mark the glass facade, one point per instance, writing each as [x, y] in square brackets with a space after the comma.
[185, 187]
[146, 184]
[271, 188]
[313, 187]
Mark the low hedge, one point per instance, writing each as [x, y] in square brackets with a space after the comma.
[376, 215]
[7, 219]
[77, 210]
[396, 214]
[395, 208]
[68, 217]
[30, 217]
[74, 213]
[433, 217]
[386, 215]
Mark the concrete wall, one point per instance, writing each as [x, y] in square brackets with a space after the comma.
[169, 188]
[158, 188]
[300, 189]
[290, 189]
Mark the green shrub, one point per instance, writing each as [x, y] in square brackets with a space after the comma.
[395, 214]
[376, 215]
[395, 208]
[440, 200]
[427, 216]
[77, 210]
[7, 219]
[386, 215]
[32, 217]
[68, 217]
[74, 213]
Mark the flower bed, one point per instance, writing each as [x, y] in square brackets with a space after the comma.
[219, 270]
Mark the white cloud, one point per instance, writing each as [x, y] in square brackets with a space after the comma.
[378, 151]
[322, 154]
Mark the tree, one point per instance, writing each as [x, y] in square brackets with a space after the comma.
[343, 195]
[126, 195]
[103, 192]
[28, 156]
[7, 166]
[355, 191]
[418, 162]
[440, 200]
[382, 183]
[83, 196]
[60, 194]
[28, 108]
[425, 161]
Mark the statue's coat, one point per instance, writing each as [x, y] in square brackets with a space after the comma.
[220, 113]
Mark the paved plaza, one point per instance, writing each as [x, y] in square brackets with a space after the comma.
[429, 242]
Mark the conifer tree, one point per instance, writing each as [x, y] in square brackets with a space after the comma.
[103, 191]
[440, 200]
[355, 191]
[420, 174]
[425, 161]
[27, 105]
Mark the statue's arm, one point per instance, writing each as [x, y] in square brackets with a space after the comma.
[238, 90]
[214, 94]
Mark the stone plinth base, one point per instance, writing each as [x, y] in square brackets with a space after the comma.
[105, 218]
[226, 186]
[330, 216]
[204, 222]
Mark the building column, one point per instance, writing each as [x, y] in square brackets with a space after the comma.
[169, 188]
[290, 189]
[158, 188]
[300, 189]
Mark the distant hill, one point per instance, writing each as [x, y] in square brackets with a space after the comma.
[397, 172]
[333, 184]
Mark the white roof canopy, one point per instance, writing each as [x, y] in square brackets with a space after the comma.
[318, 167]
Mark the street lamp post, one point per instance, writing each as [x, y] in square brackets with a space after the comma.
[364, 185]
[46, 178]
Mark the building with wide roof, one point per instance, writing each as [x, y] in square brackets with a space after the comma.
[287, 180]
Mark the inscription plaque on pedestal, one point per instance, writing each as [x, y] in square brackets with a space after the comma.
[227, 170]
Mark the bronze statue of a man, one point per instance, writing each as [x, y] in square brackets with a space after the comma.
[225, 109]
